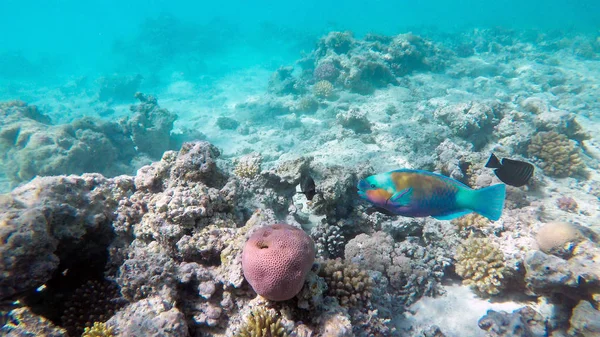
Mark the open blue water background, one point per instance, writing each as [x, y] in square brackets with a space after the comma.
[70, 38]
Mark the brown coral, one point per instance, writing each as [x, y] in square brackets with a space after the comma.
[262, 323]
[481, 265]
[472, 220]
[95, 301]
[345, 281]
[558, 156]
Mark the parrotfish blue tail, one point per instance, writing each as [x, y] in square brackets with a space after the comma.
[488, 201]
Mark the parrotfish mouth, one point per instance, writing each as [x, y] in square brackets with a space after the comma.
[362, 187]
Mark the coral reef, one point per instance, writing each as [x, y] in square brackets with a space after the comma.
[276, 260]
[94, 302]
[149, 317]
[471, 221]
[248, 166]
[32, 146]
[481, 264]
[567, 204]
[557, 154]
[348, 283]
[23, 322]
[559, 238]
[227, 123]
[262, 323]
[521, 322]
[323, 89]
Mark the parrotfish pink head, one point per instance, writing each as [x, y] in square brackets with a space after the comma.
[416, 193]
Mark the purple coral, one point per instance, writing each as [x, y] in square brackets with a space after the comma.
[326, 71]
[567, 204]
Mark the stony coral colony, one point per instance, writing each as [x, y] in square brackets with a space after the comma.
[171, 239]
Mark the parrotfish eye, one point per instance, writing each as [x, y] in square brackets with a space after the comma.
[373, 186]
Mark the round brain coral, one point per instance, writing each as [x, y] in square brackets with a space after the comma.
[276, 260]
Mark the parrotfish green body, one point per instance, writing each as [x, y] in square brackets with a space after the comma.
[416, 193]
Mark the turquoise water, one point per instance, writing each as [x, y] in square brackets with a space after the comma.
[62, 38]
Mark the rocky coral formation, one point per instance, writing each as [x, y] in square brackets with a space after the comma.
[472, 121]
[323, 89]
[23, 322]
[345, 281]
[521, 322]
[149, 317]
[248, 166]
[48, 225]
[558, 156]
[412, 269]
[481, 264]
[262, 323]
[373, 62]
[32, 146]
[559, 238]
[94, 302]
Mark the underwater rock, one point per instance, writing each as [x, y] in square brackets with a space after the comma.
[54, 221]
[354, 120]
[473, 121]
[524, 322]
[576, 278]
[282, 82]
[32, 146]
[585, 320]
[227, 123]
[150, 126]
[22, 322]
[153, 316]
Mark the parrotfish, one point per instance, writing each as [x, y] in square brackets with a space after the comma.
[416, 193]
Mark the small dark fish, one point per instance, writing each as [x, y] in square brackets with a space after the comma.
[511, 172]
[308, 188]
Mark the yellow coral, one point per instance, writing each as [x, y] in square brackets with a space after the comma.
[346, 281]
[248, 166]
[262, 323]
[558, 155]
[323, 89]
[481, 264]
[98, 330]
[472, 220]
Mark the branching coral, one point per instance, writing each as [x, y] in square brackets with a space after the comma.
[481, 264]
[262, 323]
[558, 155]
[323, 89]
[98, 330]
[472, 220]
[248, 166]
[345, 281]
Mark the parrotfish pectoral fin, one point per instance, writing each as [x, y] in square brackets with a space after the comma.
[488, 201]
[401, 198]
[454, 215]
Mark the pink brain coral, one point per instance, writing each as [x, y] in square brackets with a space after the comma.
[276, 260]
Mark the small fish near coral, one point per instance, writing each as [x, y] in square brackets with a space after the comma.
[308, 187]
[417, 193]
[511, 172]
